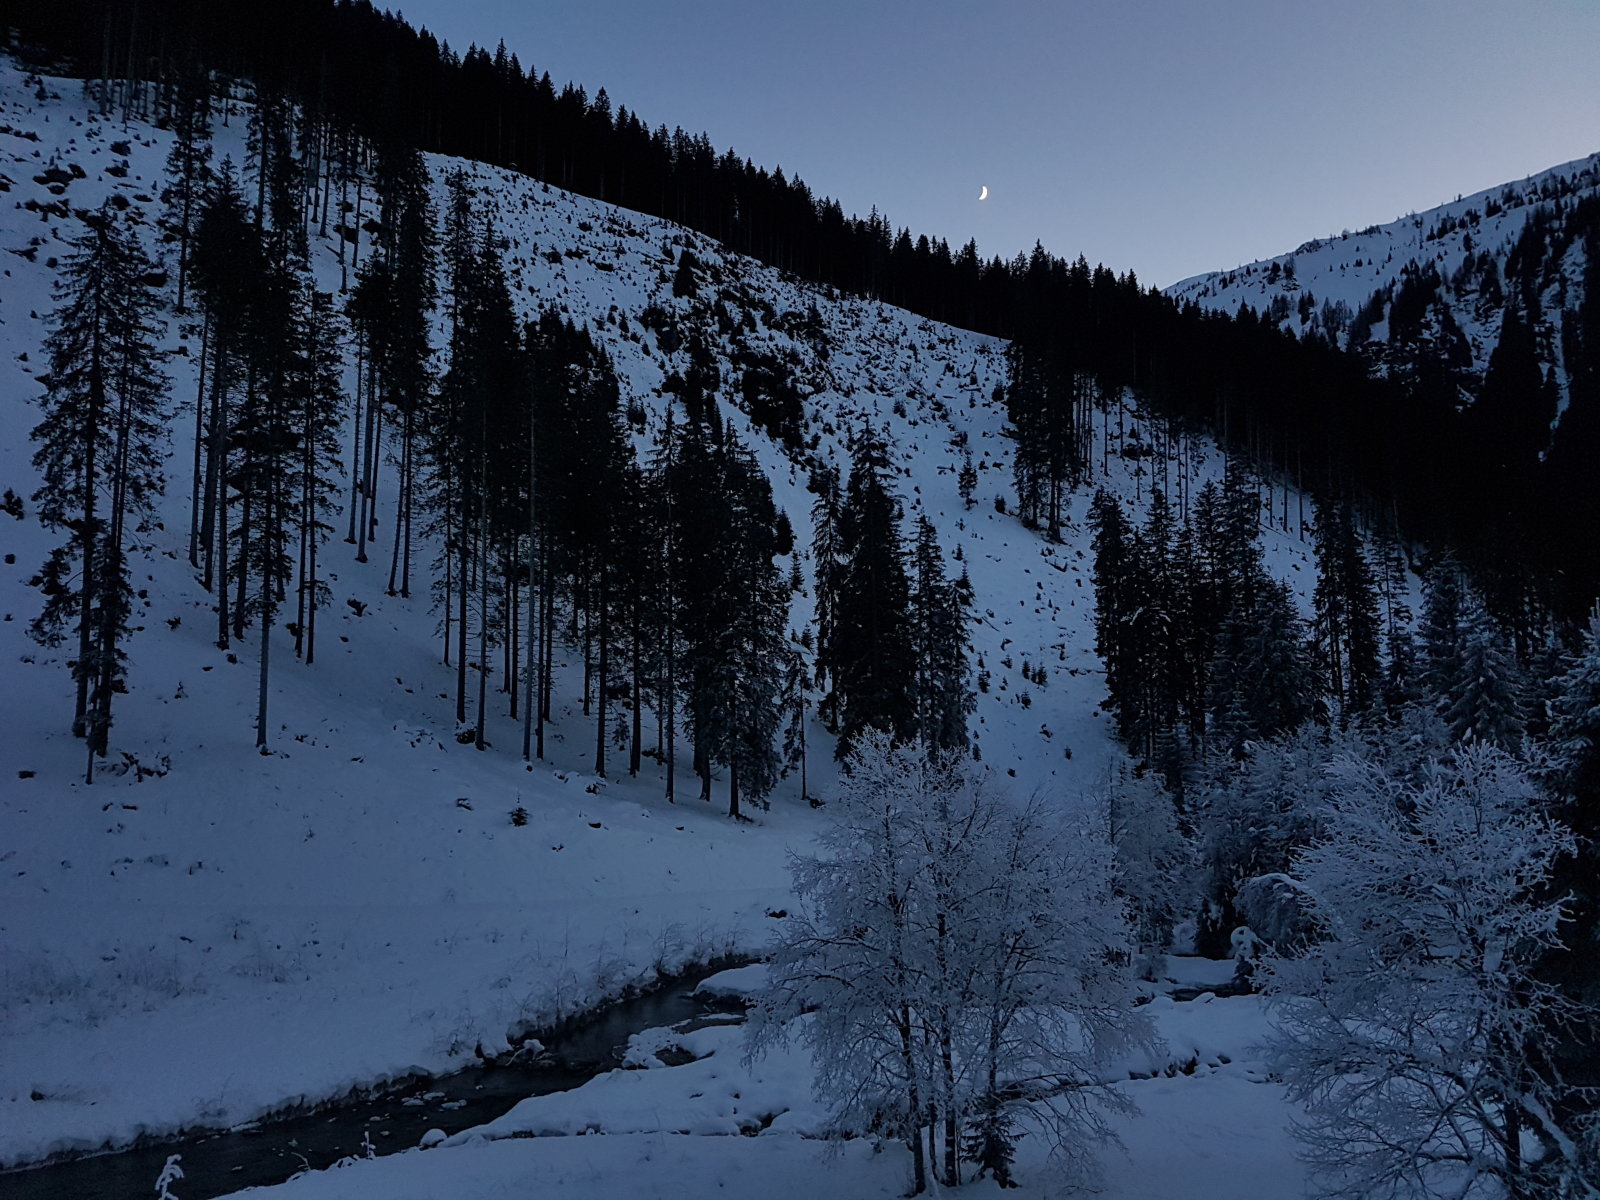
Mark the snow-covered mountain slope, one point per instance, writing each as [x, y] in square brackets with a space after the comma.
[1459, 262]
[210, 934]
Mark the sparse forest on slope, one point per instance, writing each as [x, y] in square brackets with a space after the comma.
[1307, 415]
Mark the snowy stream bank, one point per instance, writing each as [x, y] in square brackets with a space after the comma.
[269, 1151]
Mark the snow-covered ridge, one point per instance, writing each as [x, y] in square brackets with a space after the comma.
[212, 934]
[1323, 285]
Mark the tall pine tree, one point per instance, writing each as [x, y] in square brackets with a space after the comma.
[99, 456]
[942, 694]
[1346, 605]
[870, 645]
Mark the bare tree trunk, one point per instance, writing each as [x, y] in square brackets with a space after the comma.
[311, 586]
[266, 651]
[547, 621]
[534, 633]
[449, 569]
[533, 640]
[355, 228]
[464, 588]
[588, 655]
[919, 1169]
[307, 535]
[635, 749]
[400, 558]
[219, 546]
[355, 438]
[511, 645]
[344, 199]
[215, 487]
[602, 708]
[483, 633]
[243, 581]
[199, 439]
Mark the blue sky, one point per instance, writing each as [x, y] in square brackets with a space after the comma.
[1166, 136]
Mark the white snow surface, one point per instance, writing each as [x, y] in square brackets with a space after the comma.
[740, 983]
[241, 933]
[1212, 1129]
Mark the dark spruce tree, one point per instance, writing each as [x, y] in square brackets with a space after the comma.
[1482, 700]
[317, 395]
[1045, 401]
[267, 457]
[476, 490]
[1225, 586]
[730, 610]
[188, 168]
[1440, 633]
[1346, 602]
[270, 157]
[756, 639]
[1154, 658]
[1264, 679]
[1111, 575]
[370, 307]
[661, 484]
[942, 686]
[795, 707]
[99, 457]
[590, 506]
[401, 369]
[967, 480]
[827, 562]
[871, 653]
[227, 262]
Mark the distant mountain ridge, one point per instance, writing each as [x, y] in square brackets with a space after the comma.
[1432, 282]
[1483, 316]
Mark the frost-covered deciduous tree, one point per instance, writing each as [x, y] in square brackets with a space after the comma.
[1575, 967]
[1257, 813]
[1155, 864]
[1412, 1034]
[956, 951]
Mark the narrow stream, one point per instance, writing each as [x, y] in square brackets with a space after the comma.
[217, 1163]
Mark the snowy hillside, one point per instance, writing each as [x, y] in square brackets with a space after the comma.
[206, 934]
[1459, 257]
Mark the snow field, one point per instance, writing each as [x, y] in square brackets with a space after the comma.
[1215, 1131]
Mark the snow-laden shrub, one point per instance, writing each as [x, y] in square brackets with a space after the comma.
[1413, 1034]
[1155, 864]
[1279, 911]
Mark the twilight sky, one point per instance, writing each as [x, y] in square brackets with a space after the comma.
[1169, 136]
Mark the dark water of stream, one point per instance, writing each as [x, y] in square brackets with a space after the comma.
[218, 1163]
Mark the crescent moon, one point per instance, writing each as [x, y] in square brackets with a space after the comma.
[984, 194]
